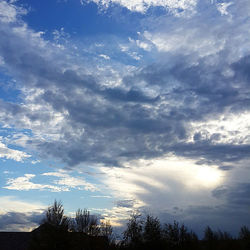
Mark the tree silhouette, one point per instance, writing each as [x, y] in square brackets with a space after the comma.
[210, 235]
[172, 232]
[85, 223]
[244, 236]
[132, 236]
[152, 233]
[224, 235]
[106, 230]
[178, 237]
[81, 221]
[55, 216]
[244, 233]
[93, 229]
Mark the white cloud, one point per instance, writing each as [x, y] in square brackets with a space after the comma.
[104, 56]
[64, 183]
[222, 7]
[225, 28]
[35, 161]
[12, 154]
[10, 12]
[144, 5]
[230, 129]
[186, 40]
[71, 182]
[24, 184]
[101, 196]
[129, 51]
[144, 45]
[13, 204]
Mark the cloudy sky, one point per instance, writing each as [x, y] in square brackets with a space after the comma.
[118, 105]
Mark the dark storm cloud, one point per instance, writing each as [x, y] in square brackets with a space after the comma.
[125, 203]
[238, 195]
[213, 153]
[242, 70]
[225, 168]
[197, 218]
[128, 96]
[203, 84]
[19, 221]
[236, 207]
[236, 201]
[217, 217]
[27, 62]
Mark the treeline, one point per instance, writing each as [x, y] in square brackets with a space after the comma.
[151, 234]
[85, 232]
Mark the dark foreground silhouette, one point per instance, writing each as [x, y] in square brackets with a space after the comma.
[84, 232]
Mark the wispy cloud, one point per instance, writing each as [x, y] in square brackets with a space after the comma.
[12, 154]
[72, 182]
[24, 183]
[104, 56]
[63, 183]
[102, 196]
[143, 5]
[9, 12]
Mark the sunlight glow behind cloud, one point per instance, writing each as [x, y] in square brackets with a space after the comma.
[141, 177]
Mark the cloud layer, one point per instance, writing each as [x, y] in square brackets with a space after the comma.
[151, 112]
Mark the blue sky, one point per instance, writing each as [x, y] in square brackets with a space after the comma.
[118, 106]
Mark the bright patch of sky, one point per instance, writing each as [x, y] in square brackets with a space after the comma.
[121, 105]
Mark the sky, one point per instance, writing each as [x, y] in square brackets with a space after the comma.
[125, 105]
